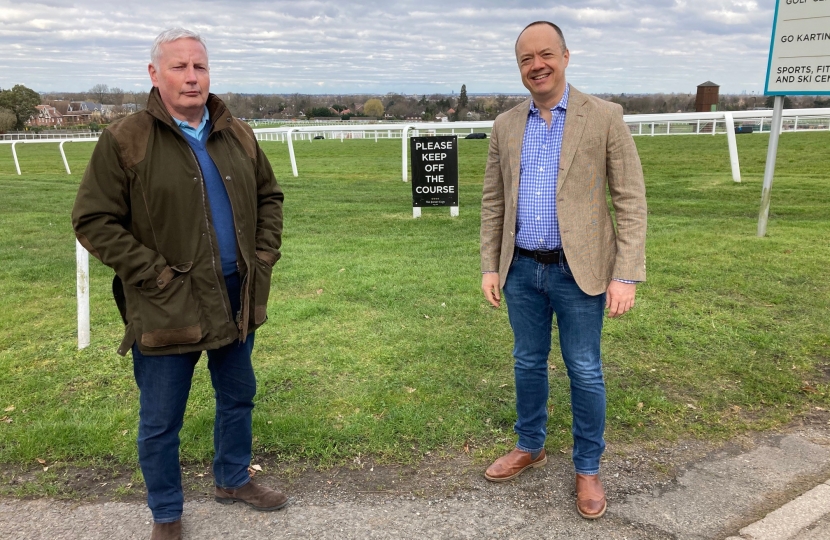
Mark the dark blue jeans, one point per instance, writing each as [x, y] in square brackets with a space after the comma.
[164, 384]
[534, 293]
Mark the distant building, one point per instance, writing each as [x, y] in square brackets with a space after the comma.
[707, 97]
[47, 116]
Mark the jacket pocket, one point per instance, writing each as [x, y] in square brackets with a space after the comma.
[602, 248]
[169, 313]
[262, 285]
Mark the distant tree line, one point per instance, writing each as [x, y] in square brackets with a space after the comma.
[17, 104]
[672, 103]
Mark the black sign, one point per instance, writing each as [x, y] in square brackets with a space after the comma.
[434, 171]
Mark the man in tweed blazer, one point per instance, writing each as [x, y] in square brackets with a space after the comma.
[549, 242]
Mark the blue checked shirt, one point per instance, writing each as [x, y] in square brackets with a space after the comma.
[537, 225]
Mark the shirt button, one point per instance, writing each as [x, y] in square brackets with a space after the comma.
[228, 178]
[538, 193]
[538, 218]
[160, 282]
[541, 169]
[195, 179]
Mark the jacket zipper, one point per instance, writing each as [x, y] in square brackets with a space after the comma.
[207, 227]
[239, 249]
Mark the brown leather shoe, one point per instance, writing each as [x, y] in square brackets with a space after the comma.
[590, 496]
[257, 497]
[167, 531]
[513, 464]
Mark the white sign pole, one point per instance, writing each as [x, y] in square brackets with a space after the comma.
[769, 171]
[799, 64]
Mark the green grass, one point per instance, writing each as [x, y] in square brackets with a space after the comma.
[379, 341]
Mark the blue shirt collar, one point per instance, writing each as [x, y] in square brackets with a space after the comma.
[563, 103]
[196, 132]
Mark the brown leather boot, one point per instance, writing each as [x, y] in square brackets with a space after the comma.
[590, 496]
[167, 531]
[513, 464]
[257, 497]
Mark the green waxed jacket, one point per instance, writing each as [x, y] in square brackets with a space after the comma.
[142, 209]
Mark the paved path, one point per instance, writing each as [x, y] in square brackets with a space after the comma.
[774, 490]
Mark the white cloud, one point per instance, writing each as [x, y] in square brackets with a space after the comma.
[378, 46]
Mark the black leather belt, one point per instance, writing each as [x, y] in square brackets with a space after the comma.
[543, 257]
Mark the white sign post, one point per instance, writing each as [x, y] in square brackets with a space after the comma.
[799, 64]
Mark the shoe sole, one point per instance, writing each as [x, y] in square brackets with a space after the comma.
[222, 500]
[536, 464]
[593, 516]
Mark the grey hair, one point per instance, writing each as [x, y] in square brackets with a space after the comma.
[172, 34]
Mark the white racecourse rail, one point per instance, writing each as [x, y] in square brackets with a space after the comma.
[643, 124]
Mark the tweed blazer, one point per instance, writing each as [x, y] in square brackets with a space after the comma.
[598, 156]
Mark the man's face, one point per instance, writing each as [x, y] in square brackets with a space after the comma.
[182, 77]
[542, 63]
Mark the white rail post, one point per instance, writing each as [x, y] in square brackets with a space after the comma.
[404, 139]
[291, 151]
[63, 155]
[82, 288]
[795, 124]
[668, 127]
[14, 153]
[733, 146]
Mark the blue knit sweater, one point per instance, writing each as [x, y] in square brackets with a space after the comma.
[220, 204]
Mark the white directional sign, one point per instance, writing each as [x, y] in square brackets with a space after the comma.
[799, 56]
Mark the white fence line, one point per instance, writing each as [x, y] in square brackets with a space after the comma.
[703, 123]
[51, 136]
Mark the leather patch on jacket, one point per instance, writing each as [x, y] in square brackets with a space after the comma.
[132, 137]
[260, 314]
[172, 336]
[269, 258]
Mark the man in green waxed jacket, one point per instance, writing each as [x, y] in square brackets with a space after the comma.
[181, 202]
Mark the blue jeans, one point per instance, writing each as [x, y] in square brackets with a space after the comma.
[164, 385]
[534, 293]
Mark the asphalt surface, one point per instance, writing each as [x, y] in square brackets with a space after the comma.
[775, 489]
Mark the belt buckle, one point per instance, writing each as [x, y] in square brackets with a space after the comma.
[548, 257]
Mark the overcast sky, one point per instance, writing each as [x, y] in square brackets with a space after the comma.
[380, 46]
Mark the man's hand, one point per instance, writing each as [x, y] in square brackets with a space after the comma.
[490, 286]
[619, 297]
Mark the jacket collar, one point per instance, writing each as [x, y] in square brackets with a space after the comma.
[220, 115]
